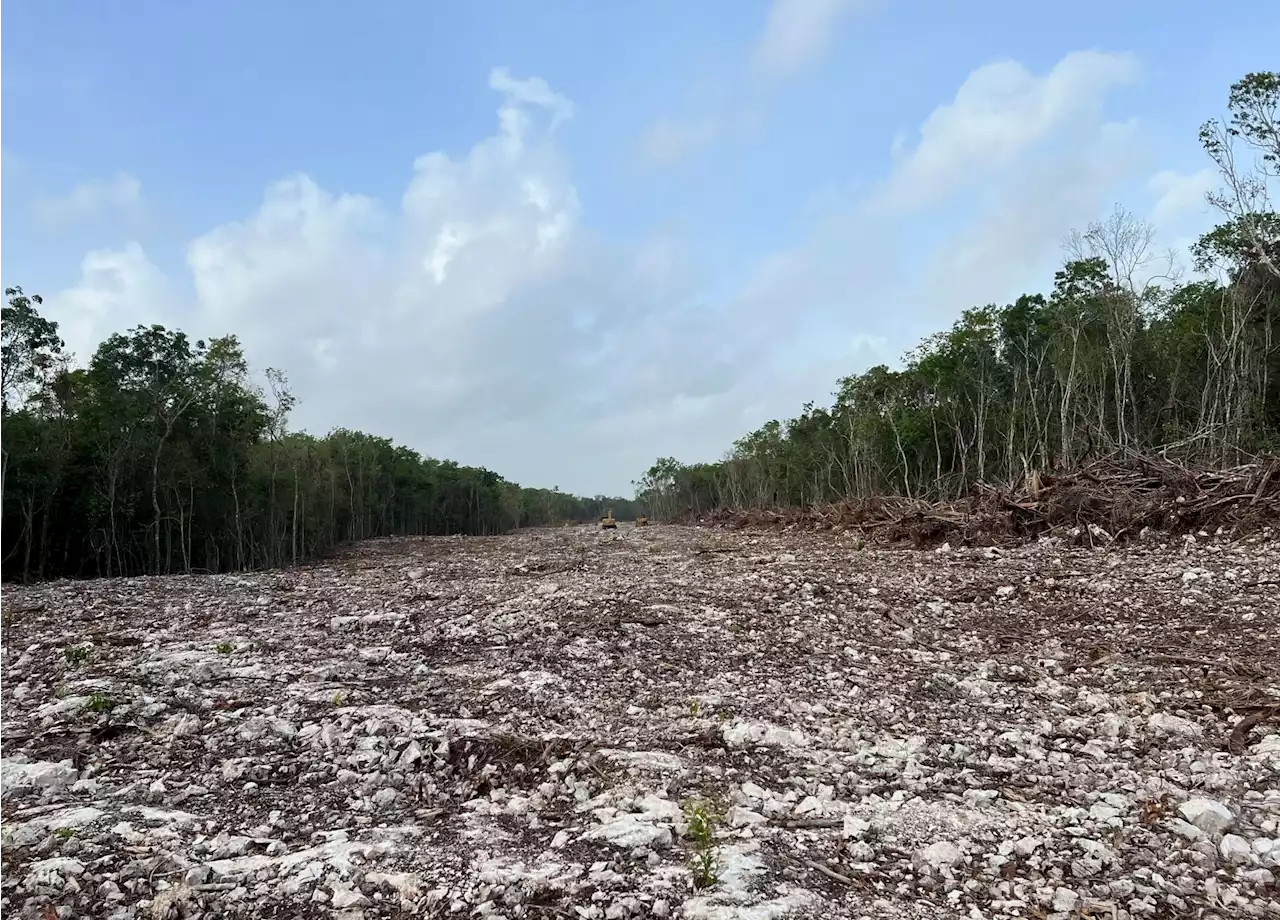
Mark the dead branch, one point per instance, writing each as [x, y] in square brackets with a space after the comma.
[1110, 500]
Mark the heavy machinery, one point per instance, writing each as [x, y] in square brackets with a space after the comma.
[642, 521]
[607, 522]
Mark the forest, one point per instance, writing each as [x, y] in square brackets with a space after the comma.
[163, 456]
[1124, 353]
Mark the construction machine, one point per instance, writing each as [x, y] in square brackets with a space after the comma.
[607, 522]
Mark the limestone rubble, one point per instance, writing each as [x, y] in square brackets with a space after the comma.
[527, 726]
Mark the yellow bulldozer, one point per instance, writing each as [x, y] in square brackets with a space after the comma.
[607, 522]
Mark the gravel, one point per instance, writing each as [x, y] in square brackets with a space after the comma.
[536, 725]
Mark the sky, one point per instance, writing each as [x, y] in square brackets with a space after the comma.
[563, 239]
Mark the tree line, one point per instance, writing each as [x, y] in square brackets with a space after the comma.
[1120, 354]
[162, 456]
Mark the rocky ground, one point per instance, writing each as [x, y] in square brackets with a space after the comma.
[662, 722]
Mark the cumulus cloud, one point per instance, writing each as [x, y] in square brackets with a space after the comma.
[477, 318]
[118, 289]
[471, 319]
[344, 291]
[1000, 113]
[797, 33]
[90, 199]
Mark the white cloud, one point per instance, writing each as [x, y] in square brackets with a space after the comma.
[476, 306]
[118, 289]
[296, 272]
[477, 318]
[533, 91]
[1181, 196]
[90, 199]
[797, 33]
[1000, 113]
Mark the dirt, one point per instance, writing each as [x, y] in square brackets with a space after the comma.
[522, 726]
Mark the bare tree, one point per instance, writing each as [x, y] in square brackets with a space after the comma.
[1125, 244]
[1253, 119]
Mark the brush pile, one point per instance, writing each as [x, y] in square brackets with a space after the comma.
[1107, 501]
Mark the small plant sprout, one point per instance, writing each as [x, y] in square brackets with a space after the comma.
[65, 833]
[76, 655]
[695, 708]
[704, 867]
[100, 702]
[701, 820]
[340, 698]
[704, 863]
[225, 648]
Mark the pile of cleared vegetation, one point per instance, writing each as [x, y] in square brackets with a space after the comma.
[1106, 501]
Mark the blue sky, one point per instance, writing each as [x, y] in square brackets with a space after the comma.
[645, 228]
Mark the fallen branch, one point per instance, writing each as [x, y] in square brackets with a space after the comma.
[828, 872]
[1115, 499]
[810, 822]
[1239, 735]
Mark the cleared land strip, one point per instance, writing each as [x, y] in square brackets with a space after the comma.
[660, 722]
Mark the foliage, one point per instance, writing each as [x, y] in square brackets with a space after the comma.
[161, 456]
[701, 819]
[1117, 356]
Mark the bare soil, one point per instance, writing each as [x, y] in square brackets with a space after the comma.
[533, 725]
